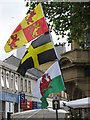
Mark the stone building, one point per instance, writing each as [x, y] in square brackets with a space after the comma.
[75, 66]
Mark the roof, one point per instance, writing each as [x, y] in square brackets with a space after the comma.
[12, 60]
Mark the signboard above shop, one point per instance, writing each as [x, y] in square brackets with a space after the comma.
[22, 96]
[10, 97]
[26, 104]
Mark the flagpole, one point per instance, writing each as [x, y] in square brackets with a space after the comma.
[53, 45]
[56, 114]
[56, 111]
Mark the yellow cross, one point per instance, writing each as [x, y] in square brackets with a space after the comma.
[32, 52]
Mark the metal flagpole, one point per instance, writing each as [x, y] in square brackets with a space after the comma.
[56, 114]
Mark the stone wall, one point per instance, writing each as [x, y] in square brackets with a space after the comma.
[74, 65]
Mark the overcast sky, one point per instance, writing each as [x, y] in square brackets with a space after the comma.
[11, 14]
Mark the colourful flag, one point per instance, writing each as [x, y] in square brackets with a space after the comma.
[40, 51]
[32, 26]
[50, 82]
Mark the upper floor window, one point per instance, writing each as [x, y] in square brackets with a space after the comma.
[65, 95]
[87, 71]
[16, 82]
[62, 94]
[12, 80]
[29, 86]
[21, 84]
[2, 78]
[26, 85]
[7, 79]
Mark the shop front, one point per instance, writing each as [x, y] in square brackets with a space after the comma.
[10, 103]
[29, 105]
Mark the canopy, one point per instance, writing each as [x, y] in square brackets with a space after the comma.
[80, 103]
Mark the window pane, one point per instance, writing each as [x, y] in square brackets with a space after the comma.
[25, 85]
[29, 86]
[21, 84]
[7, 83]
[2, 81]
[12, 76]
[16, 82]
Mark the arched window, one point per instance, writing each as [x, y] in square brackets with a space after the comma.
[2, 78]
[16, 82]
[7, 79]
[12, 80]
[21, 84]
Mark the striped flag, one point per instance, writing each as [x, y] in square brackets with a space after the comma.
[40, 51]
[31, 27]
[50, 82]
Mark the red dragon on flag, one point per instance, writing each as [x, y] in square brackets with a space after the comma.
[29, 19]
[44, 84]
[14, 40]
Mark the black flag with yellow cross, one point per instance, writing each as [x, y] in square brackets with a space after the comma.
[39, 52]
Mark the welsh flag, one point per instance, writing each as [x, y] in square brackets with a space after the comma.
[50, 82]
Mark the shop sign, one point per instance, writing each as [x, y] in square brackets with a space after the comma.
[26, 104]
[23, 104]
[10, 97]
[34, 105]
[38, 105]
[29, 105]
[22, 96]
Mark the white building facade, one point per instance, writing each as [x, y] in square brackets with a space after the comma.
[12, 85]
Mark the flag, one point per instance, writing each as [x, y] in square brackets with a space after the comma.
[50, 82]
[39, 52]
[32, 26]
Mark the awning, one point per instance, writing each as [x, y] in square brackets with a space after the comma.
[80, 103]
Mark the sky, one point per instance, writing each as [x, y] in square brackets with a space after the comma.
[12, 13]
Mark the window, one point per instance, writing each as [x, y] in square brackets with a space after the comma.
[62, 94]
[16, 82]
[3, 106]
[26, 85]
[65, 95]
[2, 81]
[29, 86]
[12, 76]
[15, 107]
[87, 71]
[21, 84]
[7, 79]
